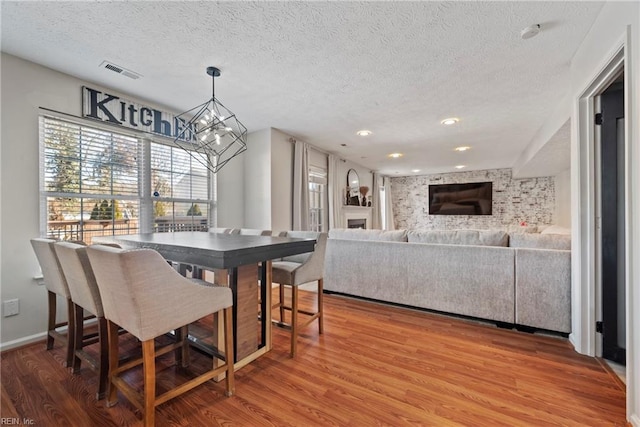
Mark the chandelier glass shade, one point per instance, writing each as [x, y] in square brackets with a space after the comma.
[212, 131]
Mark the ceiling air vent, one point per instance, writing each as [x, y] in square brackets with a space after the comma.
[120, 70]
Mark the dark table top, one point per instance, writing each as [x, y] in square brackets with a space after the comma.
[214, 250]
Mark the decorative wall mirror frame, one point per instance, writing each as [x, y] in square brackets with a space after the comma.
[353, 188]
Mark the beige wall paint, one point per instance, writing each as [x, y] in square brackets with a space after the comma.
[256, 192]
[281, 181]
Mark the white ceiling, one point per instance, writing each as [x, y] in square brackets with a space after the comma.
[320, 71]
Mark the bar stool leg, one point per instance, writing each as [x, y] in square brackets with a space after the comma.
[112, 397]
[51, 325]
[71, 332]
[294, 320]
[149, 368]
[320, 306]
[78, 336]
[281, 296]
[103, 362]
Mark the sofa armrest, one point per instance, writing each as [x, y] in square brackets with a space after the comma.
[543, 289]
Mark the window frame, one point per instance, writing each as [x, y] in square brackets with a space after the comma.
[144, 196]
[318, 177]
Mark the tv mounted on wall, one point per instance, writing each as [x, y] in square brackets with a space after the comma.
[472, 198]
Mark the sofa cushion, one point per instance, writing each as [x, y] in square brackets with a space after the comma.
[556, 229]
[540, 241]
[512, 229]
[360, 234]
[460, 237]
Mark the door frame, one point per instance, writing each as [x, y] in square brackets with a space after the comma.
[599, 279]
[583, 194]
[583, 201]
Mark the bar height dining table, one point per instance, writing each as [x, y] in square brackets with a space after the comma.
[242, 256]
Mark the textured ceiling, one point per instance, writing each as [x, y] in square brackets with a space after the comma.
[320, 71]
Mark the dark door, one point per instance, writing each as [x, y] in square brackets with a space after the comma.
[613, 223]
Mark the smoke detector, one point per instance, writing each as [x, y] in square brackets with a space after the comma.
[529, 32]
[120, 70]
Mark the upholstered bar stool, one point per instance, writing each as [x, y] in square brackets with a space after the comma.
[144, 295]
[85, 296]
[297, 270]
[56, 285]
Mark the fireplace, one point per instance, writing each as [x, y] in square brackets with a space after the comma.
[357, 223]
[356, 217]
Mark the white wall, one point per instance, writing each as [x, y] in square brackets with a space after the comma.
[257, 181]
[230, 189]
[562, 214]
[281, 181]
[617, 25]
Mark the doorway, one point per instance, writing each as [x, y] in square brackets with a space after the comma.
[612, 219]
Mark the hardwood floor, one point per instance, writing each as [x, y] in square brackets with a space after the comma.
[374, 365]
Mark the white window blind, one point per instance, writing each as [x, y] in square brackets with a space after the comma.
[92, 181]
[180, 186]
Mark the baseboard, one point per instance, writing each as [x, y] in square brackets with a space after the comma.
[634, 419]
[573, 342]
[39, 336]
[20, 342]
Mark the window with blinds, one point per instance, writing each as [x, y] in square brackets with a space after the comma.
[180, 185]
[317, 198]
[92, 181]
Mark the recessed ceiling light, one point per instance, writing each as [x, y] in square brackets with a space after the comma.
[463, 148]
[364, 132]
[460, 166]
[395, 155]
[415, 170]
[450, 121]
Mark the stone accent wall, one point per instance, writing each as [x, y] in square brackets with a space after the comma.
[530, 200]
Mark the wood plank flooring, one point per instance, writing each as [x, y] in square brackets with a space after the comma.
[374, 365]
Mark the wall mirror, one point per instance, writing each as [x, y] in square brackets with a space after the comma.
[353, 188]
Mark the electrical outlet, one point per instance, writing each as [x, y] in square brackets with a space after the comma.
[11, 307]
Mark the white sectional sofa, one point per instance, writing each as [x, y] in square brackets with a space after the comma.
[514, 279]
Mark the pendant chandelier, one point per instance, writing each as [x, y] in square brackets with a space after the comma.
[211, 131]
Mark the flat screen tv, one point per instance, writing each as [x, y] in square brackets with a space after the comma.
[472, 198]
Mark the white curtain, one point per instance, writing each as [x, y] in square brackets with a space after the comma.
[376, 205]
[335, 193]
[388, 217]
[301, 186]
